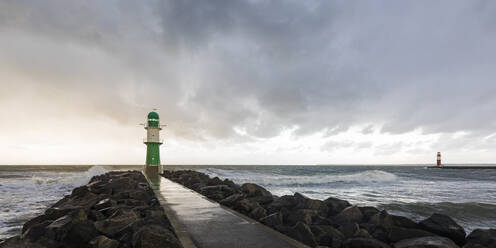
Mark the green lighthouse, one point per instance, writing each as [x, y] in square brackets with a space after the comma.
[152, 142]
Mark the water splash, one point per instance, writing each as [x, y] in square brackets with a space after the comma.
[42, 188]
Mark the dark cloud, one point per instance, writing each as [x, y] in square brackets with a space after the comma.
[264, 66]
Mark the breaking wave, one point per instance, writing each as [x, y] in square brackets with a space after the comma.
[75, 179]
[471, 215]
[41, 188]
[240, 176]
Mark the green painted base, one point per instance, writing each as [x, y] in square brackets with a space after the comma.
[153, 153]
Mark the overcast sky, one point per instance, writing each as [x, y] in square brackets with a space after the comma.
[248, 82]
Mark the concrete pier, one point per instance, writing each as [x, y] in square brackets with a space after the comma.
[202, 223]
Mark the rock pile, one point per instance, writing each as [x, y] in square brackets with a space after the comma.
[333, 222]
[114, 210]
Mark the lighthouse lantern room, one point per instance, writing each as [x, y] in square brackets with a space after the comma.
[152, 142]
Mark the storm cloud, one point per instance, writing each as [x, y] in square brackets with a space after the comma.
[241, 71]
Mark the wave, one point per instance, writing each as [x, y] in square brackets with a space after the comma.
[470, 215]
[242, 176]
[21, 198]
[75, 179]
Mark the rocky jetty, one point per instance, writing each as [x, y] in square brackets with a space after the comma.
[333, 222]
[114, 210]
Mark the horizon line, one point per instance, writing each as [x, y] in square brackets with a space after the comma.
[225, 164]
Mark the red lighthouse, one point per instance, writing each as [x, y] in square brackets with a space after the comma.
[439, 159]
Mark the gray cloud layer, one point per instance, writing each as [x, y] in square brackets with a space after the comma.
[262, 66]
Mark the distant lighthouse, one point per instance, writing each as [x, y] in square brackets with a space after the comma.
[439, 159]
[152, 142]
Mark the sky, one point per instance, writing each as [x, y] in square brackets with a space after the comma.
[248, 82]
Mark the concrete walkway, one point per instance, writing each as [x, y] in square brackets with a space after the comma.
[202, 223]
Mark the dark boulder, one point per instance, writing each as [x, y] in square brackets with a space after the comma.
[303, 202]
[57, 212]
[335, 205]
[152, 236]
[474, 245]
[147, 221]
[35, 231]
[262, 200]
[387, 221]
[140, 195]
[258, 213]
[35, 221]
[396, 234]
[272, 220]
[481, 237]
[80, 191]
[426, 242]
[99, 187]
[364, 243]
[59, 228]
[54, 213]
[278, 203]
[120, 219]
[86, 202]
[320, 220]
[444, 226]
[231, 200]
[348, 215]
[403, 221]
[368, 212]
[362, 233]
[303, 233]
[81, 232]
[284, 229]
[230, 183]
[301, 215]
[245, 206]
[153, 212]
[217, 192]
[214, 181]
[217, 188]
[104, 242]
[327, 235]
[95, 215]
[105, 203]
[349, 230]
[253, 190]
[380, 234]
[17, 242]
[121, 184]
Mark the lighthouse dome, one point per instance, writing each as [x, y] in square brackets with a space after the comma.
[152, 115]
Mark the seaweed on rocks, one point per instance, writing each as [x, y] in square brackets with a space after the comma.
[117, 209]
[333, 222]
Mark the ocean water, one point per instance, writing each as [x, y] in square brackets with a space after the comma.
[26, 191]
[469, 196]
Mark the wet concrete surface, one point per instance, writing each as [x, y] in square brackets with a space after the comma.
[210, 225]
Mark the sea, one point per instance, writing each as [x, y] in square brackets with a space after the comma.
[468, 196]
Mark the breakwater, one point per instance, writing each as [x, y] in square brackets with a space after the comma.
[332, 222]
[464, 167]
[114, 210]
